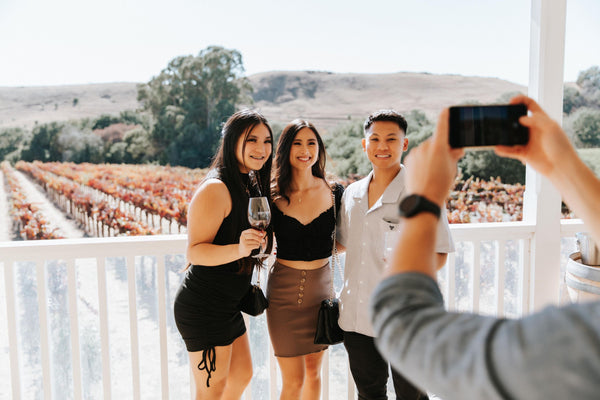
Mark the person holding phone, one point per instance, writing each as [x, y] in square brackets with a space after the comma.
[303, 220]
[220, 242]
[370, 210]
[551, 354]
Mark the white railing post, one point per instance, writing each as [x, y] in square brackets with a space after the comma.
[133, 328]
[475, 277]
[44, 327]
[104, 335]
[74, 322]
[500, 276]
[11, 319]
[451, 282]
[161, 284]
[325, 376]
[541, 200]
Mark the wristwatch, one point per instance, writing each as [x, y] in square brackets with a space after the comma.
[415, 204]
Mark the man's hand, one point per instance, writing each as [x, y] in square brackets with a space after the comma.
[431, 167]
[547, 146]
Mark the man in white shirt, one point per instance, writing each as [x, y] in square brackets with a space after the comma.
[369, 210]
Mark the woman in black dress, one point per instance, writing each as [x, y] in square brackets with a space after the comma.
[220, 241]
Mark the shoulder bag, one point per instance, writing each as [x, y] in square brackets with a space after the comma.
[254, 301]
[328, 330]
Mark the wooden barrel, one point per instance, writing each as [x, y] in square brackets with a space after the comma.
[583, 281]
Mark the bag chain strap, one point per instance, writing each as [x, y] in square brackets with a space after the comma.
[334, 253]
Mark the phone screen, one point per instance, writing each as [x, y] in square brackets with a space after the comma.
[483, 126]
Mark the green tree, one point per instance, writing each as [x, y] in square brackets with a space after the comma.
[344, 148]
[486, 165]
[189, 100]
[419, 129]
[11, 141]
[572, 100]
[589, 82]
[105, 120]
[44, 144]
[585, 127]
[139, 146]
[134, 118]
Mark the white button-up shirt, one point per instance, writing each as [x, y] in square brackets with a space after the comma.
[362, 231]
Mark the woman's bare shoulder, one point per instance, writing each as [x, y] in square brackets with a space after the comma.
[211, 190]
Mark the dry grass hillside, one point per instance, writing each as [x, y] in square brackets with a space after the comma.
[323, 97]
[26, 106]
[328, 98]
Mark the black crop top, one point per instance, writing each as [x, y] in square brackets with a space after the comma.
[313, 241]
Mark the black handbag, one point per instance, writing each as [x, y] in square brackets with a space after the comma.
[328, 330]
[254, 301]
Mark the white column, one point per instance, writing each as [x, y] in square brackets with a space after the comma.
[541, 199]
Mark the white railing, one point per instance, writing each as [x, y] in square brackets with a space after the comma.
[101, 324]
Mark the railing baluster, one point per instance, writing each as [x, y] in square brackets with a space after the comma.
[272, 373]
[500, 276]
[104, 337]
[476, 276]
[74, 322]
[162, 325]
[325, 376]
[525, 279]
[451, 279]
[44, 328]
[133, 328]
[192, 384]
[11, 317]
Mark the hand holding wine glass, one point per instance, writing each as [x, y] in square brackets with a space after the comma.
[259, 216]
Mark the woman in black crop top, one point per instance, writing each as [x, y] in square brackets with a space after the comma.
[303, 220]
[219, 245]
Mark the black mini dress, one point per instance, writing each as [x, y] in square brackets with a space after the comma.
[206, 306]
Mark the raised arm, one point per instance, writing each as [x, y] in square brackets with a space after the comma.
[550, 152]
[550, 354]
[209, 207]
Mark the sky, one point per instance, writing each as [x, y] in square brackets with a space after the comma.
[83, 41]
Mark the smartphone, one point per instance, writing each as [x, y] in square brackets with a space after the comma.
[478, 127]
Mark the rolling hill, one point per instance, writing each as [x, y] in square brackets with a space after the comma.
[325, 98]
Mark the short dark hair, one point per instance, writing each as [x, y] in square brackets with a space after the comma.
[386, 115]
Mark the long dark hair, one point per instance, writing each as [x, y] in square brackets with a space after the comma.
[283, 168]
[225, 167]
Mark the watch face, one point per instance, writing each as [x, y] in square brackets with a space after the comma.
[414, 204]
[409, 204]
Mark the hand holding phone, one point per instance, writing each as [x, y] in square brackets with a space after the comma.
[480, 127]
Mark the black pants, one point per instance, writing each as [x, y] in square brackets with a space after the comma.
[370, 371]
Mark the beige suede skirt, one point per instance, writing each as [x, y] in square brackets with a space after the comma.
[295, 296]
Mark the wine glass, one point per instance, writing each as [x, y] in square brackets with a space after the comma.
[259, 216]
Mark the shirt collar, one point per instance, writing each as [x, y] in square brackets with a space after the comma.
[391, 194]
[395, 188]
[363, 186]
